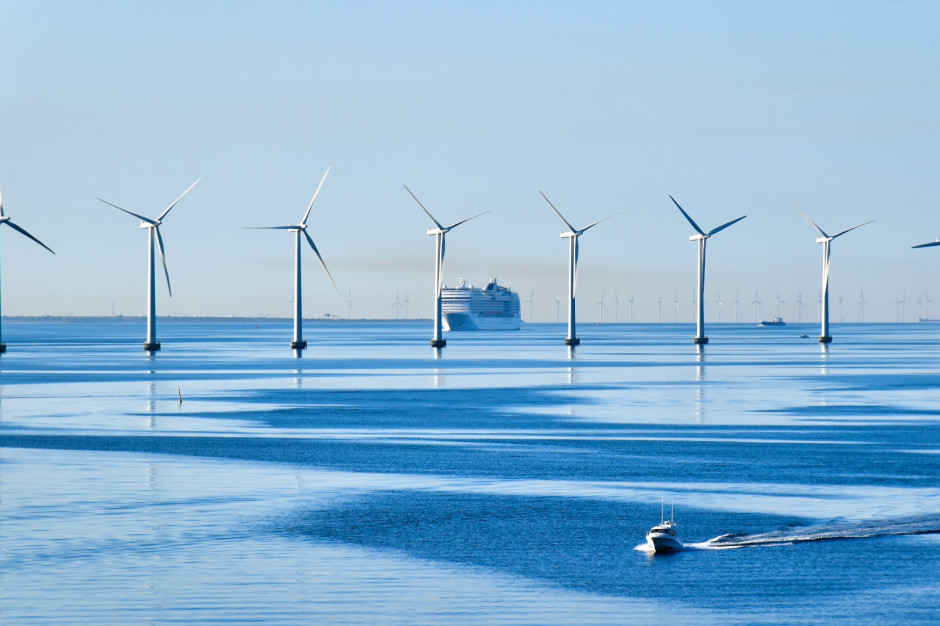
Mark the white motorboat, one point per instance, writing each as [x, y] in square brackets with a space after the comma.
[662, 537]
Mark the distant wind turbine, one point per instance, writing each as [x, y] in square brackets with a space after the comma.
[899, 312]
[573, 249]
[675, 302]
[927, 302]
[799, 307]
[439, 230]
[757, 302]
[631, 308]
[298, 343]
[861, 306]
[601, 307]
[5, 219]
[397, 305]
[531, 304]
[718, 305]
[779, 302]
[153, 225]
[702, 237]
[557, 307]
[405, 302]
[824, 336]
[737, 300]
[349, 303]
[659, 310]
[616, 309]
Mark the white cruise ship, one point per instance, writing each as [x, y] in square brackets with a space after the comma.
[465, 307]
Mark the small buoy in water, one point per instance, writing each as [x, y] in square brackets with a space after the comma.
[180, 391]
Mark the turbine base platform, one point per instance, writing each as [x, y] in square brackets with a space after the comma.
[700, 340]
[572, 341]
[438, 343]
[825, 339]
[3, 348]
[152, 346]
[298, 345]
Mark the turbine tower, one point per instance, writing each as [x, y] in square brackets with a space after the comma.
[531, 304]
[718, 305]
[799, 307]
[779, 302]
[659, 310]
[631, 308]
[675, 302]
[757, 302]
[298, 343]
[439, 230]
[601, 307]
[825, 240]
[397, 305]
[616, 309]
[702, 237]
[573, 248]
[5, 219]
[153, 225]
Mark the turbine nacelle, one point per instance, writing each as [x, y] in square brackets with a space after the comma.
[823, 239]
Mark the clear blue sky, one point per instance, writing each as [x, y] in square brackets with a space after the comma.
[732, 107]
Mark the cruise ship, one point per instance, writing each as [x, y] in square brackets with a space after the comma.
[494, 307]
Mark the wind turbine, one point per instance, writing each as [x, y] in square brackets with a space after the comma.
[616, 309]
[405, 302]
[702, 237]
[799, 307]
[675, 302]
[573, 248]
[861, 306]
[718, 305]
[737, 300]
[631, 308]
[659, 310]
[899, 312]
[531, 304]
[757, 302]
[397, 305]
[298, 343]
[779, 302]
[841, 317]
[153, 225]
[5, 219]
[437, 340]
[557, 307]
[601, 307]
[825, 240]
[348, 303]
[927, 302]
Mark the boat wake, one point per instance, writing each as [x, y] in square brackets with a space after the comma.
[921, 525]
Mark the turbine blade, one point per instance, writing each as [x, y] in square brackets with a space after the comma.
[322, 262]
[315, 194]
[466, 220]
[1, 204]
[724, 226]
[163, 258]
[23, 231]
[691, 221]
[140, 217]
[597, 222]
[821, 231]
[928, 245]
[436, 223]
[269, 227]
[567, 223]
[853, 228]
[162, 215]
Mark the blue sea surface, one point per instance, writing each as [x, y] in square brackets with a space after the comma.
[503, 479]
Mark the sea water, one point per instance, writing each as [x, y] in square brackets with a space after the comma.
[503, 479]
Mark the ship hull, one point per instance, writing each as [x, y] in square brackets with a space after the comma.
[468, 321]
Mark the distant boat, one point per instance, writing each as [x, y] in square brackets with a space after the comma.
[662, 537]
[777, 321]
[927, 320]
[494, 307]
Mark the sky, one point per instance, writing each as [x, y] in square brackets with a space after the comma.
[734, 108]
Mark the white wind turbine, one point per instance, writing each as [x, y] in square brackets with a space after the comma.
[437, 340]
[899, 307]
[861, 305]
[757, 302]
[659, 310]
[397, 305]
[616, 309]
[631, 308]
[737, 300]
[573, 249]
[825, 240]
[675, 303]
[557, 307]
[601, 307]
[298, 342]
[531, 304]
[5, 219]
[701, 237]
[718, 305]
[153, 225]
[779, 302]
[799, 307]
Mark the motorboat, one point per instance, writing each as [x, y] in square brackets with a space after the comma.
[662, 537]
